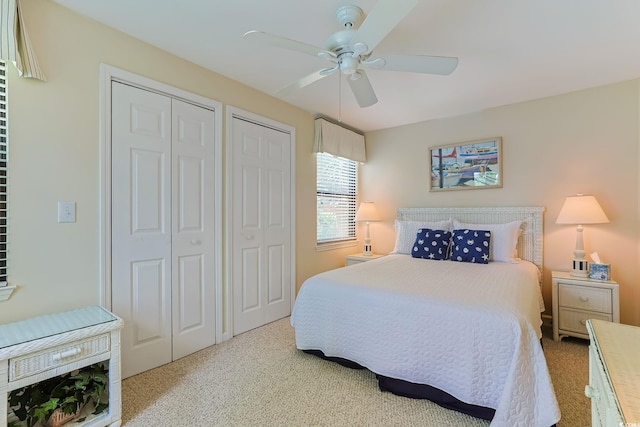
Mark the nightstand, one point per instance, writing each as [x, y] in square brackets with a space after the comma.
[358, 258]
[577, 299]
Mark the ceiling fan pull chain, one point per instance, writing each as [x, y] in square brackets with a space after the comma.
[340, 97]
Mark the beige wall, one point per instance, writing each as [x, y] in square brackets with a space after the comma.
[583, 142]
[54, 154]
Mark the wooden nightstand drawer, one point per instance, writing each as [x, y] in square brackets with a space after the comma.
[34, 363]
[576, 320]
[585, 298]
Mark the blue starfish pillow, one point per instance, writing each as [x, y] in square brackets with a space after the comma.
[471, 246]
[431, 244]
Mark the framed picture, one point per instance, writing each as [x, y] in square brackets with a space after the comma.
[467, 165]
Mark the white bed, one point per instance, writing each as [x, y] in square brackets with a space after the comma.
[470, 330]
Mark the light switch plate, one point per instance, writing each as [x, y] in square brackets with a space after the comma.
[66, 211]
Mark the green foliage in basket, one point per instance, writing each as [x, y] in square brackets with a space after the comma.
[69, 392]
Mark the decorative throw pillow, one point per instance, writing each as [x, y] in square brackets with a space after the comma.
[504, 238]
[470, 246]
[432, 244]
[406, 233]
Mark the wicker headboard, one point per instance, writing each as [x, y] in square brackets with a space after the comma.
[530, 242]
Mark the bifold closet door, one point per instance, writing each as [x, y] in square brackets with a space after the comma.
[193, 282]
[261, 264]
[162, 227]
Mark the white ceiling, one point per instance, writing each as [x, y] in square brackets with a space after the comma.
[509, 50]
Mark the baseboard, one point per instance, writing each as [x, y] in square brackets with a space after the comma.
[547, 320]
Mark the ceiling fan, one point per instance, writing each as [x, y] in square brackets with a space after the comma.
[350, 49]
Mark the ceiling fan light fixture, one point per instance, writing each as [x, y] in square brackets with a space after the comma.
[348, 64]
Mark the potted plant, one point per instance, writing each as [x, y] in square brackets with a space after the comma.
[58, 400]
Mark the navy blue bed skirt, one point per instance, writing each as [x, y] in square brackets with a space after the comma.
[417, 391]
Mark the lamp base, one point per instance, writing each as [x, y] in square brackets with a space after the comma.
[367, 250]
[580, 268]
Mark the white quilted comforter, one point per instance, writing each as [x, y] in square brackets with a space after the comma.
[471, 330]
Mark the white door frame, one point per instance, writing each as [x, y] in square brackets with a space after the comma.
[107, 75]
[228, 288]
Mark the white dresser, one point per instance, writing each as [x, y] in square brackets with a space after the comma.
[614, 374]
[48, 346]
[576, 299]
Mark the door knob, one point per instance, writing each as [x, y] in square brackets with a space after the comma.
[591, 392]
[196, 242]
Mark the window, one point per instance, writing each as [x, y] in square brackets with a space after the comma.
[3, 173]
[336, 192]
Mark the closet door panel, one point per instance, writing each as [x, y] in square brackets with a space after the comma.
[261, 203]
[141, 226]
[193, 281]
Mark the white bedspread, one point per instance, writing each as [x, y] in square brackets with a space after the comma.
[471, 330]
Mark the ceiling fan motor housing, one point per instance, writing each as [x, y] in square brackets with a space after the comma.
[339, 42]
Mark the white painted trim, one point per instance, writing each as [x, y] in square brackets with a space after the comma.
[6, 291]
[107, 75]
[230, 113]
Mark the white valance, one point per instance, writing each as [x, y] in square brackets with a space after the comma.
[14, 41]
[339, 141]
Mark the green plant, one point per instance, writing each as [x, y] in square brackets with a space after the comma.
[68, 392]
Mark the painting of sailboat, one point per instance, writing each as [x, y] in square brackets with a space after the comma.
[472, 164]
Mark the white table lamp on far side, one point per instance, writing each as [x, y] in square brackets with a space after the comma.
[366, 213]
[579, 210]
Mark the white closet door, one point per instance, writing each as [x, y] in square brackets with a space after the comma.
[141, 225]
[193, 282]
[261, 264]
[163, 242]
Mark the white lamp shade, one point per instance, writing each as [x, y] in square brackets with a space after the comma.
[367, 211]
[579, 210]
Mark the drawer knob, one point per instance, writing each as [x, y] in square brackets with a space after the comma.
[590, 392]
[584, 299]
[66, 354]
[583, 322]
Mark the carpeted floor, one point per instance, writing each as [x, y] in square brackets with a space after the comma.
[259, 378]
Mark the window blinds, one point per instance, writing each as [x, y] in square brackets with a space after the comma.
[339, 141]
[336, 198]
[3, 173]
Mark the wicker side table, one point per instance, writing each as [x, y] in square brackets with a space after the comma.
[44, 347]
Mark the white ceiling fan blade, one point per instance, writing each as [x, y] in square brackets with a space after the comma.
[380, 21]
[362, 89]
[285, 43]
[305, 81]
[443, 65]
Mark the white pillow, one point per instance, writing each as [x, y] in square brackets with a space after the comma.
[504, 238]
[406, 232]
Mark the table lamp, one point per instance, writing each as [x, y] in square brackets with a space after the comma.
[366, 213]
[579, 210]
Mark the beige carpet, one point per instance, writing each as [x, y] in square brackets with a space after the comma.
[260, 379]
